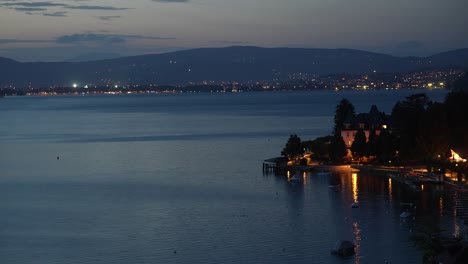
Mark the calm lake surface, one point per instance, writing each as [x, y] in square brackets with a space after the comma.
[178, 179]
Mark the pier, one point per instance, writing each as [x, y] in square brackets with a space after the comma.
[270, 165]
[275, 164]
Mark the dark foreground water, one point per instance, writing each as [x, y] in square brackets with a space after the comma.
[178, 179]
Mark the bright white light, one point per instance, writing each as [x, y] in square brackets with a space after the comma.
[456, 157]
[75, 85]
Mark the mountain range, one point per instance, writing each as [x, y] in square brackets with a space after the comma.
[238, 63]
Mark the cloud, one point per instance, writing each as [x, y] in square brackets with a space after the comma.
[107, 18]
[90, 37]
[171, 1]
[106, 8]
[28, 9]
[34, 8]
[55, 14]
[97, 38]
[43, 7]
[15, 4]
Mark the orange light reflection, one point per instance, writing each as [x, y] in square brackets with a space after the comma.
[441, 206]
[355, 187]
[390, 189]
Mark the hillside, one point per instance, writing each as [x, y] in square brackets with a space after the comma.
[218, 64]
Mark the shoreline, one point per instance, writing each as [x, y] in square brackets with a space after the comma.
[411, 177]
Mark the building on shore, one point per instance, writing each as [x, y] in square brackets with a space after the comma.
[373, 121]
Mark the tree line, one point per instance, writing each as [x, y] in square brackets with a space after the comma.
[418, 130]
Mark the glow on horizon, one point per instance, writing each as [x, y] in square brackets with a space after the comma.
[62, 29]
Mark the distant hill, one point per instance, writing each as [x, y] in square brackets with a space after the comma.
[94, 57]
[219, 64]
[452, 58]
[5, 62]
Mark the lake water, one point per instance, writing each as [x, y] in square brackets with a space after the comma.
[177, 178]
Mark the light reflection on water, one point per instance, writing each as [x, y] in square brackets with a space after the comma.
[355, 187]
[390, 189]
[441, 206]
[357, 239]
[178, 180]
[456, 228]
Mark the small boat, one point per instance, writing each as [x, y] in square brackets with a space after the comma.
[296, 178]
[343, 248]
[355, 205]
[405, 214]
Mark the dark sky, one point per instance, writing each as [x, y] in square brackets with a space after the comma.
[62, 29]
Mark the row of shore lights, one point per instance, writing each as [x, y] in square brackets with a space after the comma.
[75, 85]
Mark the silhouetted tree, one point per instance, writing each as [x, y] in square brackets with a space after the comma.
[385, 146]
[405, 118]
[343, 111]
[293, 147]
[371, 146]
[433, 133]
[319, 146]
[456, 105]
[338, 149]
[358, 147]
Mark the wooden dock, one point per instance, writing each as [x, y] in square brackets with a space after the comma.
[274, 164]
[270, 165]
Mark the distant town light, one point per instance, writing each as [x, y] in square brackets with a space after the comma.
[75, 85]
